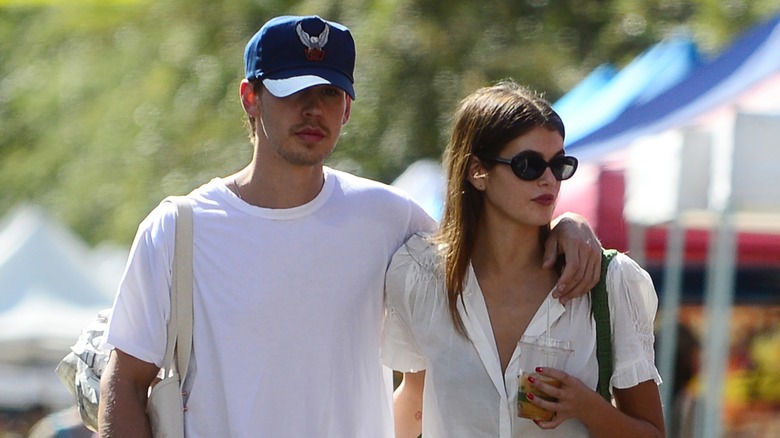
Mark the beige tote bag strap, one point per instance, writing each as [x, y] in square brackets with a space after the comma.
[179, 344]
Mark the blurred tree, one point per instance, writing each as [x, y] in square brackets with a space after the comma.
[108, 106]
[111, 106]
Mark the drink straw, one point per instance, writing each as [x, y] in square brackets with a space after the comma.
[547, 333]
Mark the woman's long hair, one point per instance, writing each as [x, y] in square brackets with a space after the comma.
[485, 122]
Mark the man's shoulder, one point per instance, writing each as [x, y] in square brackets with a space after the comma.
[164, 213]
[354, 184]
[211, 189]
[351, 178]
[382, 200]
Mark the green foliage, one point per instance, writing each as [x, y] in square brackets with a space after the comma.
[106, 107]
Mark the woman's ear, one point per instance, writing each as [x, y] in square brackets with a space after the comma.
[477, 174]
[249, 99]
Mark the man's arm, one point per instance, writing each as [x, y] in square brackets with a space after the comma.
[573, 237]
[123, 392]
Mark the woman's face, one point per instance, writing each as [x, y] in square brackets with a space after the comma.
[529, 203]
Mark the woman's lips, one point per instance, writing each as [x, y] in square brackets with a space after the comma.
[546, 200]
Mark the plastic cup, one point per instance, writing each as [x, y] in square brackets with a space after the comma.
[539, 352]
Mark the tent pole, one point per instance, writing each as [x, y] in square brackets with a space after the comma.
[719, 299]
[670, 314]
[637, 242]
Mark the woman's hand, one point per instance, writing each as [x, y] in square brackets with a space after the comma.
[638, 413]
[575, 399]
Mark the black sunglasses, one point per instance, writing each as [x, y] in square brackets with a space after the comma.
[530, 166]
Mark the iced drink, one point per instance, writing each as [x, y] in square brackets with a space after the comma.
[539, 352]
[525, 408]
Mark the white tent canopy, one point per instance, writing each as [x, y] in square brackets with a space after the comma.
[51, 286]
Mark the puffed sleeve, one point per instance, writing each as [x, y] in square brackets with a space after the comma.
[410, 274]
[633, 305]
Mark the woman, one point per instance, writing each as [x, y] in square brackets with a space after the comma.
[459, 301]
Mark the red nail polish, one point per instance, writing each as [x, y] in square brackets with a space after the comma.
[531, 379]
[529, 396]
[539, 369]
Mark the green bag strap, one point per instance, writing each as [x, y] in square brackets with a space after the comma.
[600, 310]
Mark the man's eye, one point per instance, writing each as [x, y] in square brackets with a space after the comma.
[331, 91]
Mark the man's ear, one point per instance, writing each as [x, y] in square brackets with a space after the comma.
[249, 99]
[347, 109]
[477, 174]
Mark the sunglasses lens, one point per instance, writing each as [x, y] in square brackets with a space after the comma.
[563, 167]
[528, 167]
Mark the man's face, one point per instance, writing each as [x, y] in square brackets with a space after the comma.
[303, 128]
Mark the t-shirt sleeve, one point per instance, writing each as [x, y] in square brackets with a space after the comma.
[141, 307]
[633, 305]
[421, 222]
[405, 277]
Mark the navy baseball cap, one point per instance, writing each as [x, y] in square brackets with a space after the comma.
[291, 53]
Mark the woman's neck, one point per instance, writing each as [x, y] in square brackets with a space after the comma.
[508, 247]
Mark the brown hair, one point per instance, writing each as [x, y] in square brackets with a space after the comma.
[485, 122]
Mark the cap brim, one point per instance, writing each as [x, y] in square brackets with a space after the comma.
[289, 86]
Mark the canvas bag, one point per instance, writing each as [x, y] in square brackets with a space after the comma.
[81, 369]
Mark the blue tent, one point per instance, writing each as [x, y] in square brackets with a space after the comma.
[605, 93]
[588, 89]
[752, 58]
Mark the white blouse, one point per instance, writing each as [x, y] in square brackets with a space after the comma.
[466, 394]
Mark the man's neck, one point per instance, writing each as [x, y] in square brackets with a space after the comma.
[277, 186]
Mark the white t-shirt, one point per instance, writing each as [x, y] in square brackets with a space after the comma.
[466, 393]
[288, 308]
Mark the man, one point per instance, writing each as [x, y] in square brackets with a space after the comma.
[289, 265]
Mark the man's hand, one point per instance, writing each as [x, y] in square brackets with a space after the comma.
[573, 237]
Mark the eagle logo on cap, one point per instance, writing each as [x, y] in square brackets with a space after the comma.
[314, 44]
